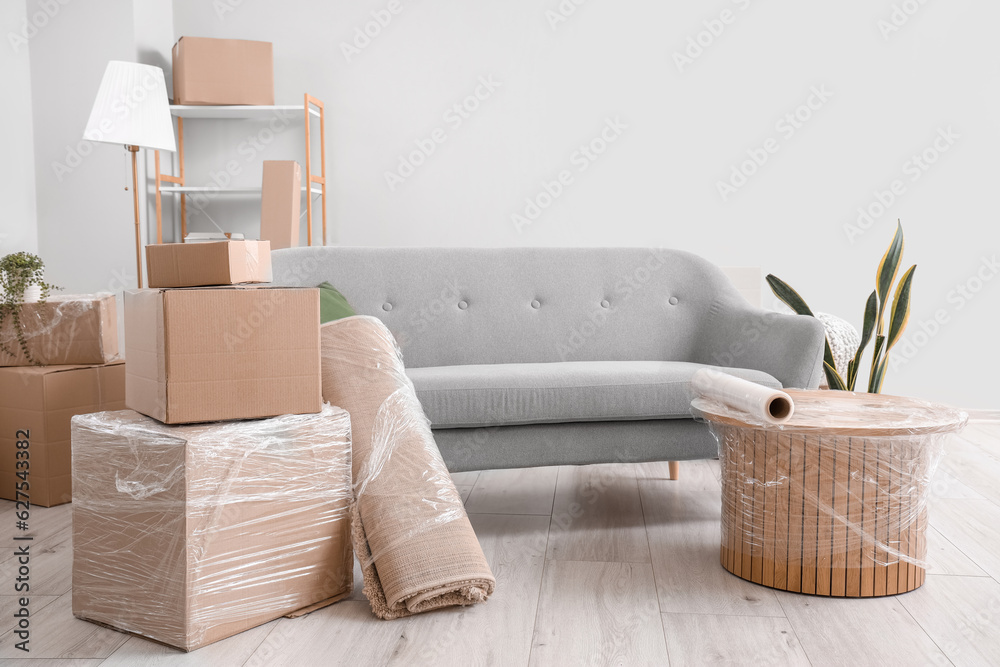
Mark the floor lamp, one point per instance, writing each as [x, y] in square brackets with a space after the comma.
[132, 109]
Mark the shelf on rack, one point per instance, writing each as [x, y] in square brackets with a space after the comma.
[187, 189]
[236, 111]
[315, 185]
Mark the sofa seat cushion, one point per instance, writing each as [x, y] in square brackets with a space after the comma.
[550, 393]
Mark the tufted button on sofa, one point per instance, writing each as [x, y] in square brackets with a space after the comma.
[550, 356]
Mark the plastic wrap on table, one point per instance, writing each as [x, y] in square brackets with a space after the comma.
[411, 534]
[189, 534]
[834, 501]
[66, 329]
[771, 406]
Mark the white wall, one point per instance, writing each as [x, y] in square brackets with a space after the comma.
[18, 227]
[655, 185]
[85, 219]
[154, 38]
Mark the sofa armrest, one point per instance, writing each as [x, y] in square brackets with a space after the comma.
[787, 347]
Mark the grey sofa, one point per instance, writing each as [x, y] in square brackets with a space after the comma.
[528, 357]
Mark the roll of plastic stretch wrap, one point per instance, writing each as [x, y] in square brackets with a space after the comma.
[768, 405]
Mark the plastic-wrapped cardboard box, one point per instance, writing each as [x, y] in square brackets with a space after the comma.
[66, 329]
[281, 203]
[201, 354]
[36, 405]
[190, 534]
[223, 71]
[203, 264]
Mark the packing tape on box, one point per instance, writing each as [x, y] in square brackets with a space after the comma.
[258, 260]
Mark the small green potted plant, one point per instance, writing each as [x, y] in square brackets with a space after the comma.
[887, 334]
[22, 280]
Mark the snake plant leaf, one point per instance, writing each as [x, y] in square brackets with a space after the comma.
[789, 296]
[880, 374]
[866, 336]
[876, 360]
[886, 273]
[900, 309]
[833, 377]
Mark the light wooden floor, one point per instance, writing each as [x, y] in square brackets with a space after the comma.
[597, 565]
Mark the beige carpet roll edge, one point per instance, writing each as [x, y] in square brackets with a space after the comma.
[423, 561]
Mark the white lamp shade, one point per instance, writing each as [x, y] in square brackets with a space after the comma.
[132, 108]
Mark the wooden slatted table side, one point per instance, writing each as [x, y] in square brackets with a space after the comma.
[832, 507]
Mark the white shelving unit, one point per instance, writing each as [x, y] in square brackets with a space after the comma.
[176, 185]
[237, 111]
[185, 189]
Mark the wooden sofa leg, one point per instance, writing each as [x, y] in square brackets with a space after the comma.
[675, 470]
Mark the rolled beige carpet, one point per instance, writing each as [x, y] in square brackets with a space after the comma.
[411, 534]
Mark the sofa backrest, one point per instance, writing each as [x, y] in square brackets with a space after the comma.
[449, 306]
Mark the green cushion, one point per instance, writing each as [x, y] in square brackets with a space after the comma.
[332, 304]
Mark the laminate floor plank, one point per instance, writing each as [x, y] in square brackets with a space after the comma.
[597, 516]
[973, 526]
[945, 558]
[973, 465]
[694, 640]
[235, 650]
[51, 564]
[57, 634]
[946, 485]
[496, 633]
[856, 631]
[682, 523]
[515, 491]
[961, 615]
[465, 478]
[593, 613]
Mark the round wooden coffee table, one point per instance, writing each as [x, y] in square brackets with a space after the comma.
[834, 502]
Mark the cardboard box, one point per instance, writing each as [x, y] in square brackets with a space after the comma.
[214, 353]
[281, 203]
[216, 263]
[223, 71]
[190, 534]
[36, 404]
[66, 329]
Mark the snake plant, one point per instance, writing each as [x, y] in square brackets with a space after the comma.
[886, 335]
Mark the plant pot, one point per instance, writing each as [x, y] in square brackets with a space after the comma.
[32, 294]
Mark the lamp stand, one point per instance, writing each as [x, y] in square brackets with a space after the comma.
[135, 201]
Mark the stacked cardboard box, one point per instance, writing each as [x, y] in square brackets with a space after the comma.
[71, 368]
[224, 504]
[213, 263]
[190, 534]
[223, 71]
[66, 329]
[281, 203]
